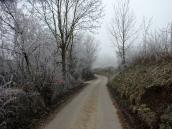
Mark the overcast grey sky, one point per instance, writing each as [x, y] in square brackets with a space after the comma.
[159, 10]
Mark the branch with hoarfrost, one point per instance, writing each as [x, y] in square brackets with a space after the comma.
[6, 84]
[65, 17]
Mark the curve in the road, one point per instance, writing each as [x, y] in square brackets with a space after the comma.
[90, 109]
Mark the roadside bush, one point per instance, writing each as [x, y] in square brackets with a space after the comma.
[87, 74]
[166, 119]
[18, 108]
[147, 90]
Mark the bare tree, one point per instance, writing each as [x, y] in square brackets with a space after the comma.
[86, 52]
[123, 28]
[65, 17]
[146, 28]
[13, 19]
[28, 41]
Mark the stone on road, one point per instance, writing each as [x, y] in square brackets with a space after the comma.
[90, 109]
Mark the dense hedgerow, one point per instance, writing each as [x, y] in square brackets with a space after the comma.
[147, 90]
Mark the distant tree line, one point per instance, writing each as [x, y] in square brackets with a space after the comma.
[135, 44]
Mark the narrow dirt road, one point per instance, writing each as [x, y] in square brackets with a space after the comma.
[91, 109]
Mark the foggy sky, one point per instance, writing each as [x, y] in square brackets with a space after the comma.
[159, 10]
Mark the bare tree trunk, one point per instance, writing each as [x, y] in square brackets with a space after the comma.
[27, 63]
[71, 56]
[123, 54]
[64, 63]
[3, 54]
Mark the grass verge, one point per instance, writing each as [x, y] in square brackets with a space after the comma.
[143, 94]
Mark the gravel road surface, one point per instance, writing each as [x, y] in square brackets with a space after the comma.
[92, 108]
